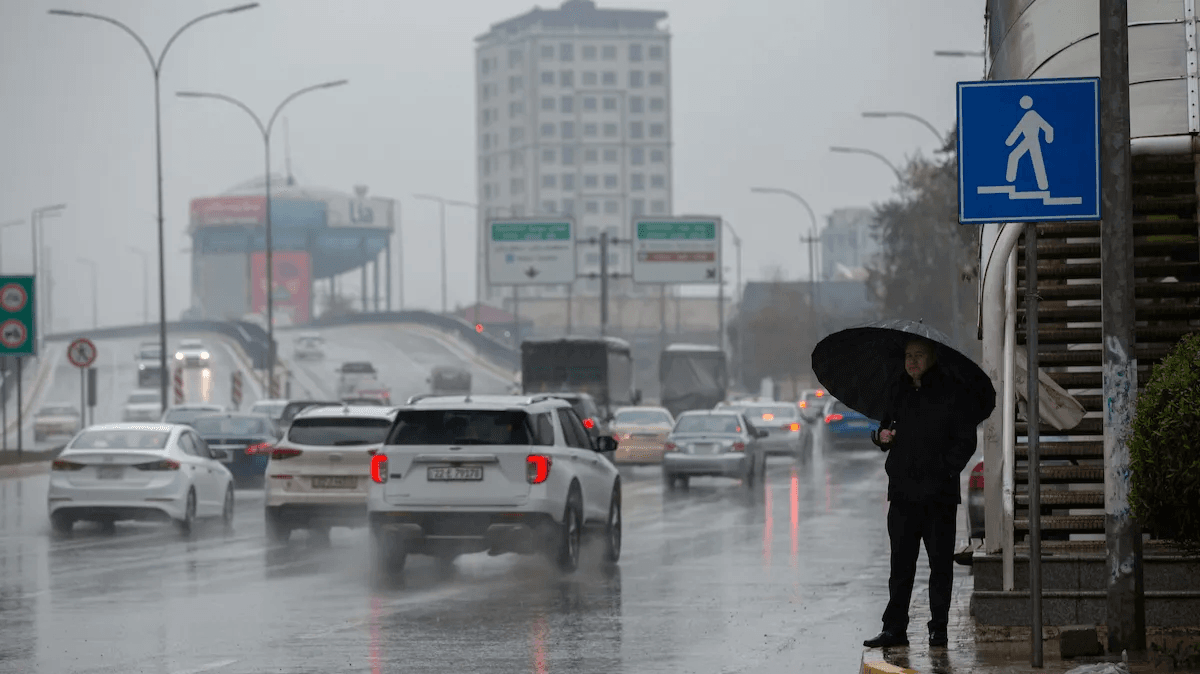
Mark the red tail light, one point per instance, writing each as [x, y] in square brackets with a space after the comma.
[803, 404]
[739, 446]
[260, 448]
[281, 454]
[379, 468]
[670, 446]
[976, 481]
[59, 464]
[537, 468]
[792, 427]
[589, 423]
[165, 464]
[833, 417]
[820, 393]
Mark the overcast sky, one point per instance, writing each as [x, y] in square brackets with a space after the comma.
[762, 88]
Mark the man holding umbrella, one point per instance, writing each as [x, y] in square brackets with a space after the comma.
[929, 399]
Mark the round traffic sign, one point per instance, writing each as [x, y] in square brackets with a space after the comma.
[81, 352]
[13, 297]
[13, 333]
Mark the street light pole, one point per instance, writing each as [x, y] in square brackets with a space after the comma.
[872, 153]
[737, 291]
[442, 203]
[156, 68]
[95, 292]
[11, 223]
[958, 53]
[813, 238]
[908, 115]
[265, 130]
[145, 282]
[35, 228]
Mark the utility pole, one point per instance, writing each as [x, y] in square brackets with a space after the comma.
[1125, 614]
[604, 283]
[813, 299]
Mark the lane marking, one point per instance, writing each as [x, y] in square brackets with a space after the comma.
[216, 664]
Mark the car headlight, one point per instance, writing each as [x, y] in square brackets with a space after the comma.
[141, 366]
[204, 355]
[178, 356]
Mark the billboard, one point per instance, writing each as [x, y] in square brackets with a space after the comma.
[531, 252]
[292, 273]
[359, 212]
[677, 250]
[251, 211]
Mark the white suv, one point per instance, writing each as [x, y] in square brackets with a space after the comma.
[317, 474]
[500, 474]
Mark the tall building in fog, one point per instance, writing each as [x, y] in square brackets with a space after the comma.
[848, 244]
[573, 117]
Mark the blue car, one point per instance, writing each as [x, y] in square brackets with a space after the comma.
[844, 428]
[242, 442]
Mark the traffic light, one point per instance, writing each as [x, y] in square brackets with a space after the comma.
[479, 328]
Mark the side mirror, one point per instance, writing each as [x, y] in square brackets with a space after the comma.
[760, 434]
[605, 444]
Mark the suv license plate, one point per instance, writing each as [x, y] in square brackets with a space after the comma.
[456, 474]
[110, 472]
[335, 482]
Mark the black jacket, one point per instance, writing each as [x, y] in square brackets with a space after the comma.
[932, 444]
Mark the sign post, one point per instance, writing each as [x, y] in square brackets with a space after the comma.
[91, 395]
[1029, 151]
[531, 252]
[681, 250]
[18, 335]
[82, 353]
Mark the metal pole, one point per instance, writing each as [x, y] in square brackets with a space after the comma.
[570, 307]
[4, 404]
[720, 296]
[387, 273]
[604, 283]
[20, 412]
[83, 395]
[37, 308]
[272, 392]
[364, 296]
[1033, 422]
[1125, 614]
[442, 215]
[517, 317]
[162, 251]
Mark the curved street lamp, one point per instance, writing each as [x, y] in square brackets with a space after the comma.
[872, 153]
[958, 53]
[908, 115]
[156, 68]
[265, 130]
[811, 240]
[442, 204]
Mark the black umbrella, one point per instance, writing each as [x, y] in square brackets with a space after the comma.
[863, 366]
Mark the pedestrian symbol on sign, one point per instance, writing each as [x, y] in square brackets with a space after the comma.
[1032, 126]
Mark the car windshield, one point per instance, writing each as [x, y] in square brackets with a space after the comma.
[191, 344]
[358, 368]
[708, 423]
[125, 438]
[186, 416]
[140, 398]
[148, 354]
[273, 410]
[233, 426]
[290, 410]
[336, 432]
[771, 412]
[58, 411]
[642, 417]
[460, 427]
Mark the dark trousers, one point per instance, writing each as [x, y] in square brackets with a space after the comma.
[909, 523]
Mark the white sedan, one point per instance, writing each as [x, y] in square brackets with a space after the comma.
[154, 472]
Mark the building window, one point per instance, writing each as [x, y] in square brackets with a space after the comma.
[568, 206]
[658, 182]
[485, 92]
[591, 156]
[548, 156]
[516, 134]
[635, 52]
[484, 68]
[609, 53]
[568, 156]
[547, 102]
[656, 79]
[637, 104]
[588, 207]
[657, 104]
[486, 116]
[610, 103]
[611, 207]
[589, 104]
[487, 194]
[589, 54]
[518, 211]
[658, 207]
[566, 52]
[610, 130]
[589, 78]
[567, 78]
[549, 181]
[568, 181]
[515, 186]
[547, 130]
[589, 131]
[487, 141]
[637, 156]
[515, 108]
[516, 159]
[614, 259]
[549, 206]
[515, 84]
[635, 129]
[547, 52]
[638, 206]
[566, 105]
[636, 78]
[610, 156]
[658, 130]
[637, 182]
[568, 130]
[485, 166]
[548, 77]
[610, 181]
[592, 258]
[515, 58]
[591, 181]
[657, 156]
[656, 53]
[609, 78]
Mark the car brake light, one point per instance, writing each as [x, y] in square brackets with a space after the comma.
[260, 448]
[281, 454]
[379, 468]
[833, 417]
[59, 464]
[589, 423]
[165, 464]
[537, 468]
[820, 393]
[976, 481]
[792, 427]
[670, 446]
[768, 417]
[803, 404]
[739, 446]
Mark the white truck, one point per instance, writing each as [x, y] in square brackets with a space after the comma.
[357, 379]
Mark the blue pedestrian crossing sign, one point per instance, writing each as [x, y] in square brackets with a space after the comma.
[1029, 150]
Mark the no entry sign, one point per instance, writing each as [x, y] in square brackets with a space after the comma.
[82, 352]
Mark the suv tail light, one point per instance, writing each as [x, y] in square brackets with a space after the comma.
[589, 423]
[281, 454]
[537, 468]
[739, 446]
[59, 464]
[791, 427]
[833, 417]
[165, 464]
[803, 404]
[976, 481]
[379, 468]
[260, 448]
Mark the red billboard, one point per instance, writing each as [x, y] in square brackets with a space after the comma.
[292, 287]
[246, 211]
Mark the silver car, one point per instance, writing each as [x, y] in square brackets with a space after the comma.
[786, 434]
[714, 443]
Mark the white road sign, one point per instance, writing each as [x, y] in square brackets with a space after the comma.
[531, 252]
[677, 250]
[81, 352]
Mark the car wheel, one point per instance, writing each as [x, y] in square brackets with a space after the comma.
[227, 510]
[278, 531]
[61, 523]
[188, 524]
[612, 530]
[669, 481]
[571, 535]
[387, 555]
[751, 474]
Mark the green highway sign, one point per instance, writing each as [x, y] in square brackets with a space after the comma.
[673, 230]
[523, 252]
[677, 250]
[531, 231]
[17, 329]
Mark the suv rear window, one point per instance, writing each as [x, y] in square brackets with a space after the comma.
[357, 368]
[460, 427]
[339, 432]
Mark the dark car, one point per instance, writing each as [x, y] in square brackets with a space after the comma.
[844, 428]
[242, 442]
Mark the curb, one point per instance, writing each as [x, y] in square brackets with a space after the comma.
[24, 469]
[881, 667]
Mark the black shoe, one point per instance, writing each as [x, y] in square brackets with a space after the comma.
[885, 639]
[938, 639]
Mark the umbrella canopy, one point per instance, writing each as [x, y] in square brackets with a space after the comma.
[863, 366]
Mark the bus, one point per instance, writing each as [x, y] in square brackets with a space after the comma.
[599, 366]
